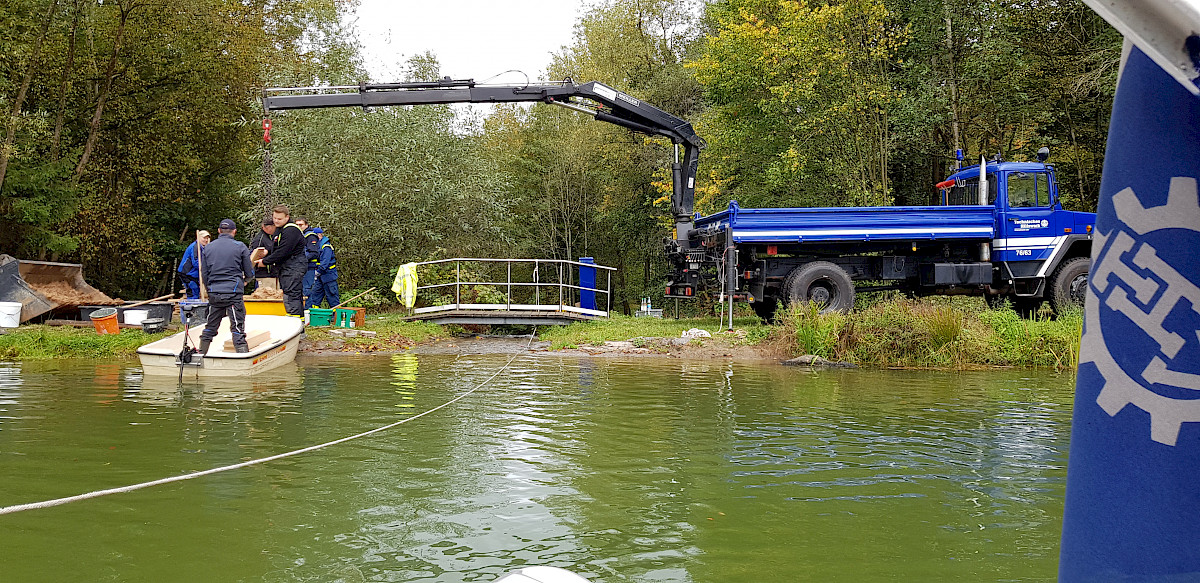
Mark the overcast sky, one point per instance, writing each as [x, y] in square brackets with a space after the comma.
[471, 38]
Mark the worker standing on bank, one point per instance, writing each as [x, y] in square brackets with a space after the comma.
[227, 270]
[326, 285]
[312, 251]
[287, 260]
[189, 266]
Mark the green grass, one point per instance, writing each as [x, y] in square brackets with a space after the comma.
[620, 327]
[392, 330]
[933, 332]
[44, 342]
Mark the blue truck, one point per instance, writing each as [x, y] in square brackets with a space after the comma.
[1014, 242]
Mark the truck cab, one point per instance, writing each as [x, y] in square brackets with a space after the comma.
[1034, 235]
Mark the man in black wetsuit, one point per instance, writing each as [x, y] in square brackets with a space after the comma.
[287, 260]
[227, 269]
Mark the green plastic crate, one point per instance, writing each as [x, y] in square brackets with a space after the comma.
[320, 317]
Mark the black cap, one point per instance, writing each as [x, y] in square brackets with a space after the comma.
[227, 224]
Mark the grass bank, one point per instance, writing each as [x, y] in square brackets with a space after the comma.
[936, 333]
[44, 342]
[620, 327]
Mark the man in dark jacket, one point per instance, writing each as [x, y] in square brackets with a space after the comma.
[264, 239]
[227, 270]
[287, 260]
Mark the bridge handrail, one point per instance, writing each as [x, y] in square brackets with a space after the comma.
[510, 284]
[494, 260]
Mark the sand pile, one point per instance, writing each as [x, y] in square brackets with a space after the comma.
[266, 293]
[65, 294]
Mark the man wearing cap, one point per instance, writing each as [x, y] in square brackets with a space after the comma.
[227, 270]
[287, 260]
[189, 267]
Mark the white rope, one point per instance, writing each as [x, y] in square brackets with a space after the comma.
[98, 493]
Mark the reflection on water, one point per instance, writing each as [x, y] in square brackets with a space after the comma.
[622, 470]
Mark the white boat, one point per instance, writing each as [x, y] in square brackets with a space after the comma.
[162, 356]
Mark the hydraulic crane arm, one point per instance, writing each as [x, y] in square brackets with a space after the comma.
[613, 107]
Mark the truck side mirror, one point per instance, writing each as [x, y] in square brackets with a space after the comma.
[1043, 154]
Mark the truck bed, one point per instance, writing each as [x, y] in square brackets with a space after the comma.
[832, 224]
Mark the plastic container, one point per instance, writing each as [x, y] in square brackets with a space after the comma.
[105, 321]
[193, 312]
[153, 325]
[10, 314]
[349, 317]
[320, 317]
[135, 316]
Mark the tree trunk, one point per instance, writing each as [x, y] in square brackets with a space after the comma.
[65, 87]
[94, 128]
[12, 120]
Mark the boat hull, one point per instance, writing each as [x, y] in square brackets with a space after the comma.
[161, 357]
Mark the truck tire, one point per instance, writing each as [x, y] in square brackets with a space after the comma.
[766, 309]
[820, 282]
[1068, 285]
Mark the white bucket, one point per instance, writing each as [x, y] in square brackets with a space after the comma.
[10, 314]
[136, 316]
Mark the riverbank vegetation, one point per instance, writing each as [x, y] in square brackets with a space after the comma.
[131, 123]
[896, 332]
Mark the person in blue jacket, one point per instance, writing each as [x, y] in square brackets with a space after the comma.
[189, 267]
[326, 286]
[312, 252]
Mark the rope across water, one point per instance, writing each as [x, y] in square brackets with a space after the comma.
[98, 493]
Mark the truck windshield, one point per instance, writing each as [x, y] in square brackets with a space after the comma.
[966, 192]
[1028, 189]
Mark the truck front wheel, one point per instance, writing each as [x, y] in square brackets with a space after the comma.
[822, 283]
[1068, 285]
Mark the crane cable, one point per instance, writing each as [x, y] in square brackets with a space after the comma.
[98, 493]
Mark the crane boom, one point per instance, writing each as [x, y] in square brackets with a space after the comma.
[614, 107]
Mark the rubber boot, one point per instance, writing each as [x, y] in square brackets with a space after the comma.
[203, 350]
[241, 348]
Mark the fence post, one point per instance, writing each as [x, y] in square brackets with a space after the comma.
[457, 285]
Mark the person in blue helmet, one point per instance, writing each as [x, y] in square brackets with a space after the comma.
[189, 266]
[325, 288]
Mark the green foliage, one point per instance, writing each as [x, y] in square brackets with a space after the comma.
[936, 332]
[805, 330]
[44, 342]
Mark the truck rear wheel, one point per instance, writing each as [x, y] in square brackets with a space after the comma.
[1068, 285]
[822, 283]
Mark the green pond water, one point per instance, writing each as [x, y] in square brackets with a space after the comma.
[650, 469]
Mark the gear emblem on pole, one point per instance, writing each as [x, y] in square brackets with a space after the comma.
[1134, 290]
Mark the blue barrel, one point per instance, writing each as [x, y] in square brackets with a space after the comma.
[587, 278]
[1133, 476]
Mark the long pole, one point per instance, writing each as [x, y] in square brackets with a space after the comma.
[200, 267]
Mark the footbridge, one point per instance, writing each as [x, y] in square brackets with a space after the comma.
[512, 291]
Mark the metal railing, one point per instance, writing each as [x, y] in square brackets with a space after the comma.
[525, 292]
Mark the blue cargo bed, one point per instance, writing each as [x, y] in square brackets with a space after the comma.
[807, 225]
